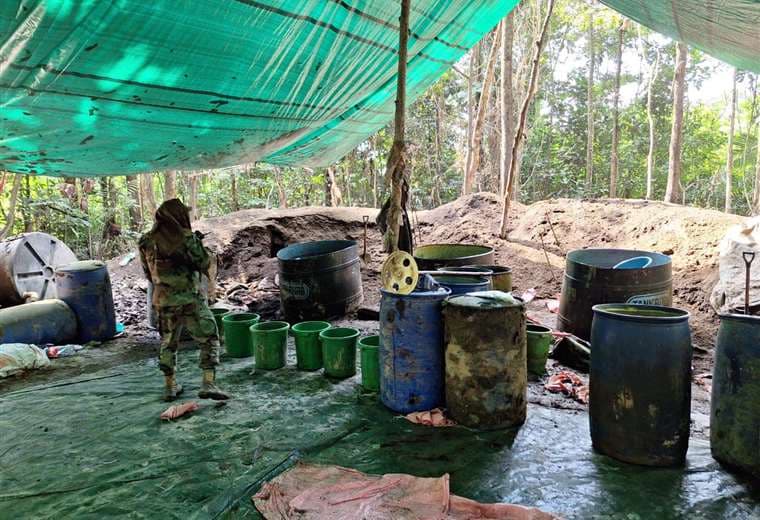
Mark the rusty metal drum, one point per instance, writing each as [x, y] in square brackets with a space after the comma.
[320, 280]
[485, 359]
[27, 265]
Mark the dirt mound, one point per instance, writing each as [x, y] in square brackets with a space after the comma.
[542, 233]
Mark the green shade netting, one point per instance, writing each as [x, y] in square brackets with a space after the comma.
[726, 29]
[93, 447]
[108, 87]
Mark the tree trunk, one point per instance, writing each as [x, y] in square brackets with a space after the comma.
[756, 194]
[477, 131]
[673, 189]
[506, 119]
[192, 184]
[614, 159]
[10, 216]
[514, 164]
[396, 167]
[234, 192]
[435, 195]
[280, 188]
[590, 103]
[170, 185]
[470, 113]
[26, 213]
[653, 71]
[730, 155]
[135, 208]
[149, 197]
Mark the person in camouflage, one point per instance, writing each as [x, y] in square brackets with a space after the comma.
[173, 258]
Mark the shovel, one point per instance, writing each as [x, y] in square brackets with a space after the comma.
[748, 256]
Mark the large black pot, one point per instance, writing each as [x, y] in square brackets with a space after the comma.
[735, 415]
[640, 383]
[320, 280]
[434, 256]
[591, 279]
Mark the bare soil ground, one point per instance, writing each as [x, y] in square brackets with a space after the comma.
[541, 234]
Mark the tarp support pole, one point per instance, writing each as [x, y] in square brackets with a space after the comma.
[395, 171]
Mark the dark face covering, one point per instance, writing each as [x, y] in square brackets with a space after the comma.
[172, 222]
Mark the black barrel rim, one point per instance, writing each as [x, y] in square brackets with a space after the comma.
[737, 316]
[483, 251]
[291, 253]
[674, 314]
[577, 257]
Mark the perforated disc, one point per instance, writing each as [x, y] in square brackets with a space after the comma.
[400, 273]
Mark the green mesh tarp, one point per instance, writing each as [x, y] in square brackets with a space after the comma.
[94, 447]
[726, 29]
[99, 87]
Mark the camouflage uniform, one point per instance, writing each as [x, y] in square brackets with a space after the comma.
[178, 301]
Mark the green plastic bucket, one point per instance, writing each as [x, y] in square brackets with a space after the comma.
[237, 335]
[219, 314]
[339, 352]
[270, 344]
[369, 349]
[308, 344]
[539, 342]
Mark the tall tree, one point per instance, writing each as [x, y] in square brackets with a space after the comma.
[614, 159]
[477, 132]
[192, 189]
[135, 208]
[673, 189]
[654, 69]
[756, 193]
[728, 208]
[170, 184]
[148, 194]
[10, 215]
[516, 154]
[506, 119]
[590, 100]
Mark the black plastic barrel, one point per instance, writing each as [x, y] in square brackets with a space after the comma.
[433, 256]
[640, 383]
[735, 415]
[86, 287]
[320, 280]
[592, 278]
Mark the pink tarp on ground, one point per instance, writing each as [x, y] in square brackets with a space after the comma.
[310, 491]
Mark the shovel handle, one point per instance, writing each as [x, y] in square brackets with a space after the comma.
[749, 257]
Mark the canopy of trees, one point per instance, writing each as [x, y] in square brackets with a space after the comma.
[618, 111]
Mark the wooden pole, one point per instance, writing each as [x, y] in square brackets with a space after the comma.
[395, 170]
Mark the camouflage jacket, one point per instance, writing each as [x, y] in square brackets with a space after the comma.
[175, 279]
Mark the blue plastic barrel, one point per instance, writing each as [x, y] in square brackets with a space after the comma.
[86, 287]
[411, 350]
[38, 323]
[463, 284]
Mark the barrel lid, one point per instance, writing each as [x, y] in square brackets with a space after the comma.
[81, 265]
[486, 299]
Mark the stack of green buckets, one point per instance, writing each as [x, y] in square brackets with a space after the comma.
[318, 345]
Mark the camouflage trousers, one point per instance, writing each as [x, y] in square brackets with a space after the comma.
[199, 322]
